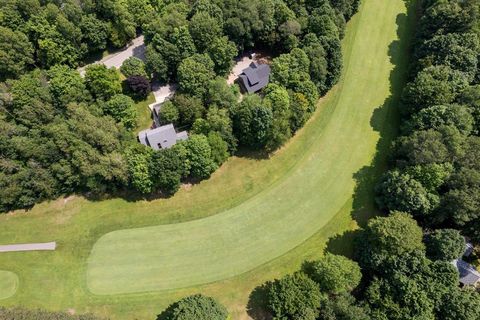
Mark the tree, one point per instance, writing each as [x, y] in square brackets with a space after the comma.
[395, 235]
[222, 51]
[94, 32]
[156, 65]
[138, 159]
[168, 113]
[300, 110]
[193, 73]
[122, 109]
[199, 154]
[437, 116]
[220, 94]
[166, 170]
[138, 86]
[219, 148]
[218, 120]
[66, 85]
[276, 97]
[318, 61]
[347, 7]
[204, 29]
[342, 307]
[434, 85]
[133, 66]
[252, 122]
[400, 192]
[182, 39]
[461, 206]
[102, 83]
[16, 53]
[422, 147]
[459, 304]
[293, 295]
[456, 50]
[431, 176]
[197, 307]
[335, 274]
[445, 244]
[189, 109]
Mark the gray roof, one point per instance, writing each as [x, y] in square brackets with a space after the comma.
[468, 274]
[161, 137]
[255, 77]
[468, 249]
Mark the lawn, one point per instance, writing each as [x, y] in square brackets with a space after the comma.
[8, 284]
[144, 114]
[255, 219]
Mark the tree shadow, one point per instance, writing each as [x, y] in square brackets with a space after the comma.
[167, 313]
[257, 303]
[385, 120]
[343, 244]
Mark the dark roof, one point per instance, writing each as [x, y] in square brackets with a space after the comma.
[255, 77]
[468, 274]
[161, 137]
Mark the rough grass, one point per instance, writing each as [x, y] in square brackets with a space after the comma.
[8, 284]
[278, 211]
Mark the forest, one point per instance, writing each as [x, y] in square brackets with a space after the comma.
[62, 133]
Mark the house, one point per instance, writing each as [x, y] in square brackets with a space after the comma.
[469, 276]
[161, 137]
[255, 77]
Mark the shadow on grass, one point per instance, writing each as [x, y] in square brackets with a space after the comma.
[257, 302]
[385, 120]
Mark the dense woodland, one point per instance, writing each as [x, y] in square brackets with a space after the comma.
[61, 133]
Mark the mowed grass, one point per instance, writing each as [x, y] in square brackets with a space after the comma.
[281, 216]
[8, 284]
[340, 142]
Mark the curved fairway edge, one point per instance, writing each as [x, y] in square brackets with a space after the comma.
[281, 217]
[8, 284]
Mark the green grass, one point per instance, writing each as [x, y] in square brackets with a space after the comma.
[279, 211]
[144, 114]
[8, 284]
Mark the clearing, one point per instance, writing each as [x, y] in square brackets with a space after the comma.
[255, 219]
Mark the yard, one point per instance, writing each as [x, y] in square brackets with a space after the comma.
[253, 220]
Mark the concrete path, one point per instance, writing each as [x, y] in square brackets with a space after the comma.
[135, 49]
[28, 247]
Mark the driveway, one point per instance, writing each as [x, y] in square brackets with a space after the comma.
[135, 49]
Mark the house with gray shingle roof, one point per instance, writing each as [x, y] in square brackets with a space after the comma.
[161, 137]
[255, 77]
[469, 276]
